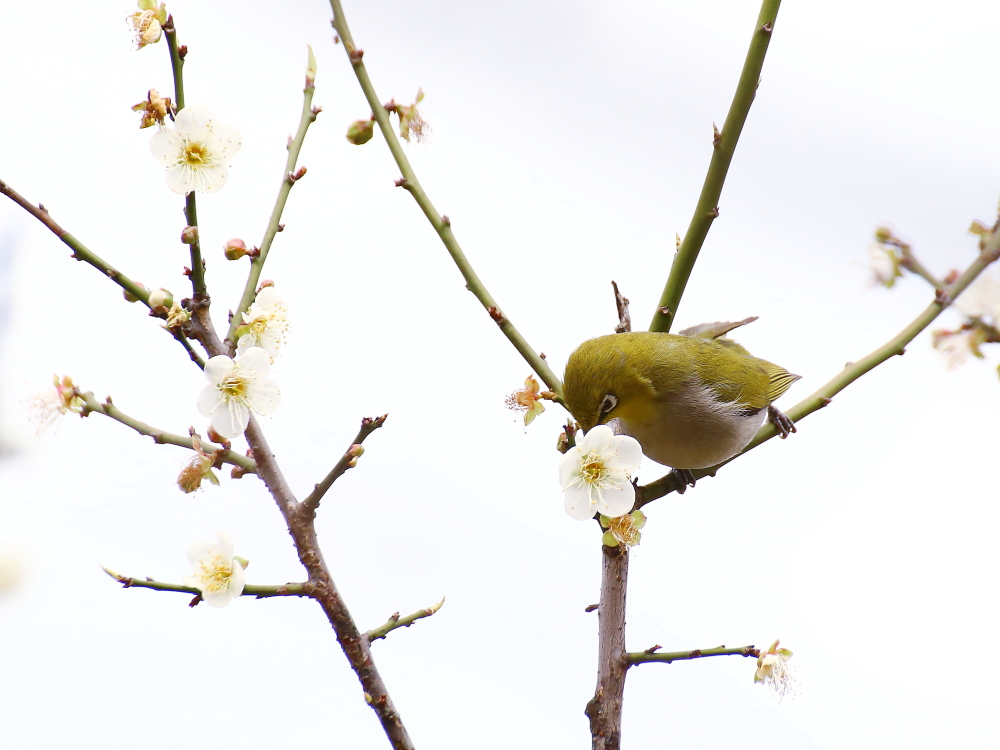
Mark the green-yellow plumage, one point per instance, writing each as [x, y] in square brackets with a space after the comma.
[690, 400]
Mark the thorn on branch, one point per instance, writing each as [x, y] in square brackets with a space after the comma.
[591, 608]
[716, 136]
[42, 208]
[624, 318]
[401, 182]
[653, 649]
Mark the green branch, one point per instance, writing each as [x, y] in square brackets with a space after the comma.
[724, 147]
[441, 224]
[395, 621]
[850, 373]
[654, 655]
[260, 592]
[347, 461]
[108, 409]
[190, 204]
[274, 225]
[82, 253]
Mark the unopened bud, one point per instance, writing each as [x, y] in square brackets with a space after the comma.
[882, 234]
[355, 450]
[361, 131]
[129, 297]
[189, 235]
[161, 298]
[311, 69]
[235, 249]
[265, 283]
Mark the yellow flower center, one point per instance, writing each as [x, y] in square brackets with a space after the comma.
[233, 386]
[196, 155]
[593, 470]
[215, 574]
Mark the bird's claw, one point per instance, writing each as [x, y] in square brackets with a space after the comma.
[781, 421]
[685, 477]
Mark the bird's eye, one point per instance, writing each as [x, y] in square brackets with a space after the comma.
[609, 403]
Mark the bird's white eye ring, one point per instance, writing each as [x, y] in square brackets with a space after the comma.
[609, 403]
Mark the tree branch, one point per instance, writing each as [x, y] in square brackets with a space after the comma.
[822, 397]
[654, 655]
[724, 147]
[605, 708]
[82, 253]
[347, 461]
[190, 203]
[441, 224]
[260, 592]
[355, 645]
[402, 622]
[274, 225]
[108, 409]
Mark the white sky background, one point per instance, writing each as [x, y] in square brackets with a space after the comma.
[570, 141]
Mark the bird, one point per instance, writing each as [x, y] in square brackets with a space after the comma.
[692, 400]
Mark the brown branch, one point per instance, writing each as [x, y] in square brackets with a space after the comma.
[347, 461]
[605, 708]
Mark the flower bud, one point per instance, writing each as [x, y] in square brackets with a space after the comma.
[129, 297]
[882, 234]
[361, 131]
[235, 249]
[189, 235]
[161, 298]
[356, 450]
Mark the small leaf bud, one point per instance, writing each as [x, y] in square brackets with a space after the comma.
[129, 297]
[361, 131]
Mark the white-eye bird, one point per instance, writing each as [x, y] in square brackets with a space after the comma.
[691, 400]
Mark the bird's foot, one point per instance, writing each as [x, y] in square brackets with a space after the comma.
[780, 420]
[685, 477]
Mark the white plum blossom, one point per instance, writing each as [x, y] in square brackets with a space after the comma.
[196, 151]
[773, 671]
[236, 388]
[982, 298]
[883, 262]
[50, 404]
[596, 474]
[267, 321]
[218, 574]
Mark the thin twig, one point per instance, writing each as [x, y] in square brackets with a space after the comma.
[368, 426]
[289, 178]
[441, 224]
[108, 409]
[823, 396]
[395, 621]
[260, 592]
[724, 147]
[650, 656]
[82, 253]
[190, 203]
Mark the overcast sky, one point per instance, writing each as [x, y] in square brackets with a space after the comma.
[569, 143]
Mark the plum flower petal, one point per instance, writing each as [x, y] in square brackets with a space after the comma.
[236, 388]
[773, 671]
[596, 475]
[196, 152]
[217, 575]
[266, 323]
